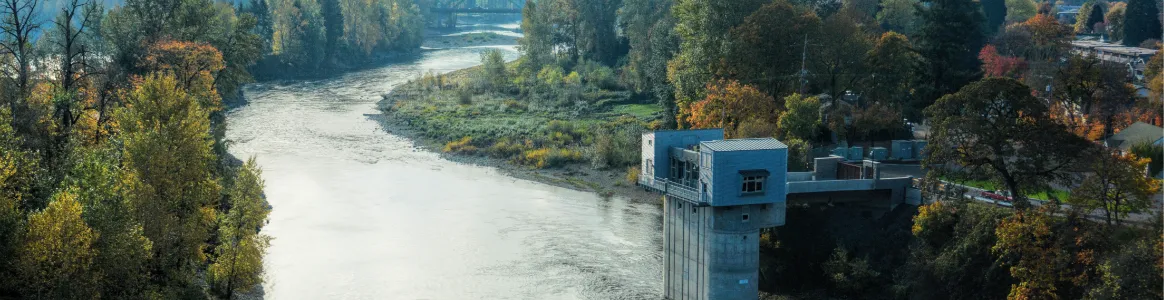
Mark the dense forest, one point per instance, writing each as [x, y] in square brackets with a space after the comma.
[115, 181]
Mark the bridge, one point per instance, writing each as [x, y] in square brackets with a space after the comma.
[447, 10]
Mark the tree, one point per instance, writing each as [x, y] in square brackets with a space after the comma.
[493, 69]
[536, 42]
[1141, 22]
[56, 259]
[193, 66]
[949, 42]
[995, 13]
[238, 263]
[1118, 186]
[995, 65]
[994, 128]
[700, 25]
[333, 23]
[169, 169]
[899, 16]
[122, 251]
[770, 59]
[802, 118]
[1087, 86]
[18, 170]
[839, 60]
[19, 25]
[892, 63]
[727, 105]
[650, 31]
[1020, 10]
[1115, 20]
[1049, 258]
[1081, 19]
[71, 27]
[1094, 17]
[954, 245]
[875, 118]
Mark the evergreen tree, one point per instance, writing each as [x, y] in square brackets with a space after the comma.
[1141, 22]
[1095, 16]
[995, 13]
[949, 42]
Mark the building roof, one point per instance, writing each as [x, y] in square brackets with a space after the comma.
[744, 145]
[1137, 132]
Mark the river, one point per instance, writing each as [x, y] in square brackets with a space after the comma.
[362, 214]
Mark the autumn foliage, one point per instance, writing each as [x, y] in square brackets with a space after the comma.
[996, 65]
[729, 104]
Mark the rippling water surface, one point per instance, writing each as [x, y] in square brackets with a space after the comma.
[361, 214]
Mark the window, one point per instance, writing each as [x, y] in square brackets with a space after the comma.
[753, 184]
[649, 168]
[744, 217]
[694, 210]
[650, 142]
[680, 204]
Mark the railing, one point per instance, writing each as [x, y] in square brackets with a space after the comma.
[673, 189]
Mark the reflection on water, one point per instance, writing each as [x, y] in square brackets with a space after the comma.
[362, 214]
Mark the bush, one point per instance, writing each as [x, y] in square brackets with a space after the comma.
[632, 175]
[505, 149]
[462, 146]
[1154, 153]
[464, 97]
[603, 78]
[549, 158]
[617, 144]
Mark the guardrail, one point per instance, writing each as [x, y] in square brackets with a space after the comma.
[673, 189]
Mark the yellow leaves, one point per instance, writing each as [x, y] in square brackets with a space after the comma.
[729, 103]
[193, 65]
[57, 250]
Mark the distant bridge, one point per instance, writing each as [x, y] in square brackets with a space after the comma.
[447, 10]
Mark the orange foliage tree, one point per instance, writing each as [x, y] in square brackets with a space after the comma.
[997, 65]
[194, 65]
[728, 104]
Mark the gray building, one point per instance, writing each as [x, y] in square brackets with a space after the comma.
[719, 194]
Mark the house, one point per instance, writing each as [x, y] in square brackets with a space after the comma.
[1133, 58]
[1136, 133]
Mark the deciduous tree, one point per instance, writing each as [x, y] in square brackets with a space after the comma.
[995, 128]
[1118, 186]
[170, 181]
[238, 262]
[892, 65]
[56, 256]
[801, 120]
[727, 105]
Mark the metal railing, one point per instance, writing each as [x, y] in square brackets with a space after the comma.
[673, 189]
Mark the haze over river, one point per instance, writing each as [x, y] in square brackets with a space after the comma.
[361, 214]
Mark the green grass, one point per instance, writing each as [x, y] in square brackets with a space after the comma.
[641, 111]
[991, 186]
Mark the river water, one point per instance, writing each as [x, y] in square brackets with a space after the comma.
[362, 214]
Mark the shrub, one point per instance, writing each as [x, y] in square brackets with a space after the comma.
[632, 175]
[464, 97]
[602, 77]
[505, 149]
[551, 75]
[549, 157]
[511, 104]
[1154, 153]
[617, 144]
[462, 146]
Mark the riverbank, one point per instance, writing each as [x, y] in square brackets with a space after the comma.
[523, 138]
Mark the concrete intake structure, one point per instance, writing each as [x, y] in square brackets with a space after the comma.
[719, 193]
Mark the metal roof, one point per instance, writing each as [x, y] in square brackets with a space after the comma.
[744, 144]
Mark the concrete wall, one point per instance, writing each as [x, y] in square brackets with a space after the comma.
[710, 252]
[723, 182]
[825, 168]
[685, 238]
[800, 176]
